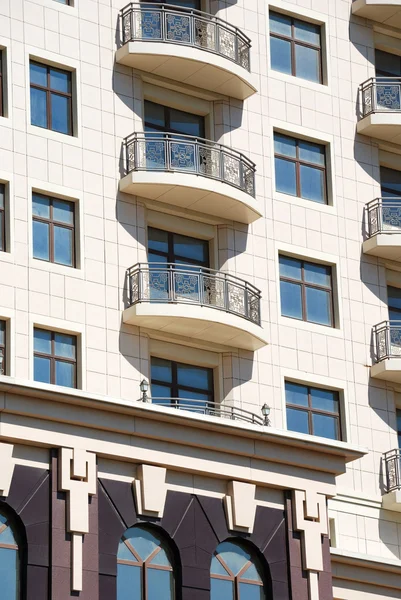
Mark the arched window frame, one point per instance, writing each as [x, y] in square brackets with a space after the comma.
[18, 530]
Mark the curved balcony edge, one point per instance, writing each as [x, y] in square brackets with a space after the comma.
[383, 228]
[387, 348]
[392, 495]
[380, 109]
[188, 46]
[192, 174]
[389, 13]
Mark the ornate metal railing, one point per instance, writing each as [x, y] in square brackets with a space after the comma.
[174, 283]
[189, 154]
[380, 94]
[387, 340]
[211, 409]
[392, 461]
[184, 26]
[384, 216]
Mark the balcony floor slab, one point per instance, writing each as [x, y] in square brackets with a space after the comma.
[387, 370]
[382, 11]
[191, 66]
[384, 126]
[392, 501]
[384, 245]
[200, 322]
[194, 192]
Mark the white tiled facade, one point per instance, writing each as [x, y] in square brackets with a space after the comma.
[89, 300]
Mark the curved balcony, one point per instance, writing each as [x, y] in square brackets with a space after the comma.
[387, 346]
[392, 497]
[212, 409]
[383, 219]
[198, 303]
[191, 173]
[380, 115]
[188, 46]
[388, 12]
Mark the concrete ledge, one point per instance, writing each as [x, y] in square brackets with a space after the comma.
[384, 245]
[387, 370]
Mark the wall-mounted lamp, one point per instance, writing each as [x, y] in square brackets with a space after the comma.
[266, 412]
[144, 387]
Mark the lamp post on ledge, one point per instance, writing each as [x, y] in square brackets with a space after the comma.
[144, 387]
[266, 412]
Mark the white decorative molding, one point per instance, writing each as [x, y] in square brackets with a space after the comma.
[7, 468]
[310, 517]
[77, 476]
[150, 490]
[240, 506]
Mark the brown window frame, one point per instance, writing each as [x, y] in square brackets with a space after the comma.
[56, 358]
[294, 42]
[306, 284]
[1, 84]
[52, 223]
[311, 411]
[3, 212]
[175, 387]
[238, 579]
[66, 3]
[50, 91]
[3, 347]
[298, 162]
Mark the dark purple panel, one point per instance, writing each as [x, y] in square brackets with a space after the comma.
[189, 593]
[214, 509]
[91, 552]
[121, 496]
[38, 584]
[24, 482]
[37, 510]
[174, 510]
[107, 587]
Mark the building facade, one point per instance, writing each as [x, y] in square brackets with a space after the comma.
[200, 300]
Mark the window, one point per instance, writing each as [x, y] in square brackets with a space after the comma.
[3, 348]
[235, 574]
[55, 358]
[2, 217]
[390, 180]
[66, 2]
[144, 567]
[166, 247]
[195, 4]
[180, 383]
[9, 562]
[313, 410]
[295, 47]
[300, 168]
[159, 118]
[306, 291]
[394, 303]
[1, 84]
[53, 230]
[387, 64]
[51, 98]
[398, 413]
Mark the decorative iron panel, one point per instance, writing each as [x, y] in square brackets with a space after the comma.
[387, 338]
[392, 462]
[170, 24]
[384, 216]
[380, 94]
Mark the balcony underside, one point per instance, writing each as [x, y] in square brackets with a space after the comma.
[382, 125]
[199, 322]
[191, 66]
[382, 11]
[392, 501]
[387, 370]
[384, 245]
[187, 190]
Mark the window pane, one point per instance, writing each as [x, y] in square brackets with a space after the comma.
[160, 585]
[312, 184]
[143, 541]
[64, 345]
[2, 194]
[251, 573]
[60, 80]
[41, 369]
[9, 574]
[296, 394]
[161, 370]
[190, 395]
[128, 582]
[250, 591]
[65, 374]
[325, 426]
[290, 267]
[2, 332]
[391, 182]
[307, 63]
[41, 244]
[194, 377]
[234, 556]
[285, 176]
[63, 246]
[2, 227]
[318, 306]
[38, 108]
[291, 301]
[60, 117]
[319, 274]
[161, 391]
[63, 211]
[161, 558]
[285, 145]
[42, 341]
[313, 153]
[191, 248]
[186, 123]
[280, 24]
[157, 240]
[221, 589]
[154, 114]
[387, 64]
[217, 568]
[297, 420]
[280, 55]
[394, 297]
[307, 32]
[324, 400]
[38, 74]
[40, 206]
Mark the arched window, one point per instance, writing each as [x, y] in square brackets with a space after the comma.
[144, 567]
[235, 574]
[9, 562]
